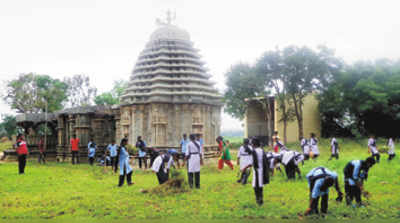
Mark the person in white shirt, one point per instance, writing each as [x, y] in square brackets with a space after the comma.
[373, 148]
[291, 159]
[194, 160]
[260, 170]
[334, 149]
[161, 166]
[305, 148]
[244, 159]
[313, 143]
[391, 149]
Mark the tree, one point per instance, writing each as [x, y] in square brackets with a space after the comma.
[270, 69]
[80, 92]
[112, 97]
[307, 71]
[29, 93]
[8, 126]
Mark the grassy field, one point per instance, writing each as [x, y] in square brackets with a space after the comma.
[62, 191]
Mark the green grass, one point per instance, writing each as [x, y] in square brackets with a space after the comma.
[62, 191]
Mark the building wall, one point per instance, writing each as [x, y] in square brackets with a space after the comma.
[311, 121]
[254, 121]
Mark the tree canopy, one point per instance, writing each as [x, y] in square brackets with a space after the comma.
[112, 97]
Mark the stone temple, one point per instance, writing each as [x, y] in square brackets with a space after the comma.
[169, 94]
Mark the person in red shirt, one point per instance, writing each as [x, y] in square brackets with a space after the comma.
[42, 151]
[22, 151]
[75, 149]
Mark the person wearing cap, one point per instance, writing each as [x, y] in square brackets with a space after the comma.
[162, 165]
[372, 148]
[123, 161]
[244, 160]
[194, 161]
[22, 151]
[75, 149]
[355, 173]
[319, 180]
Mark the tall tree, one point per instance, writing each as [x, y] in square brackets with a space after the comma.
[112, 97]
[307, 71]
[29, 93]
[80, 92]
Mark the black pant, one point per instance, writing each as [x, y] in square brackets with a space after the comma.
[42, 157]
[391, 156]
[352, 191]
[336, 155]
[244, 176]
[196, 179]
[113, 163]
[290, 170]
[144, 160]
[324, 204]
[21, 163]
[162, 177]
[91, 160]
[377, 157]
[122, 178]
[75, 155]
[258, 191]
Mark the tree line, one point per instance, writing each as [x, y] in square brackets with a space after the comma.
[354, 99]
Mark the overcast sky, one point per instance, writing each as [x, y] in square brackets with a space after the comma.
[103, 38]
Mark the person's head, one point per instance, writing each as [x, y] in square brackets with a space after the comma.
[372, 136]
[276, 133]
[246, 141]
[256, 142]
[91, 139]
[312, 135]
[74, 136]
[113, 141]
[198, 136]
[20, 136]
[328, 182]
[369, 162]
[184, 136]
[124, 141]
[192, 137]
[139, 138]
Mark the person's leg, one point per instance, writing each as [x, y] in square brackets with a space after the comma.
[347, 190]
[190, 179]
[378, 157]
[257, 194]
[122, 178]
[140, 162]
[324, 203]
[19, 164]
[129, 178]
[241, 177]
[246, 175]
[23, 163]
[77, 157]
[297, 170]
[159, 178]
[197, 179]
[44, 157]
[261, 196]
[73, 157]
[229, 163]
[220, 164]
[357, 195]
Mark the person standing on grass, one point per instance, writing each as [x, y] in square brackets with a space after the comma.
[244, 160]
[305, 148]
[334, 149]
[112, 149]
[183, 144]
[91, 153]
[161, 166]
[141, 146]
[319, 180]
[123, 162]
[391, 149]
[42, 151]
[355, 172]
[314, 146]
[373, 149]
[22, 151]
[194, 161]
[225, 154]
[75, 149]
[260, 170]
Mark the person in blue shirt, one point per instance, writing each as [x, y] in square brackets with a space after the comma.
[112, 150]
[91, 151]
[183, 144]
[123, 162]
[355, 172]
[141, 146]
[319, 180]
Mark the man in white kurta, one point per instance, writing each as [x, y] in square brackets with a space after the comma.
[161, 166]
[194, 160]
[373, 149]
[334, 149]
[314, 146]
[245, 159]
[391, 152]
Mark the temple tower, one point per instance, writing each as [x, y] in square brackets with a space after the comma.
[169, 92]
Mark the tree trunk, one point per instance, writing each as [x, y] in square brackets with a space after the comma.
[299, 116]
[285, 131]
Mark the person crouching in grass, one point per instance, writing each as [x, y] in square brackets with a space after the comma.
[260, 170]
[123, 162]
[22, 151]
[161, 166]
[319, 181]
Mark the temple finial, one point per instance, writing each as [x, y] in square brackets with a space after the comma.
[168, 20]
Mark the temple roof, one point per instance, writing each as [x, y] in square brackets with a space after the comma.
[170, 70]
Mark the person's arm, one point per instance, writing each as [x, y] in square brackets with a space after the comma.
[337, 187]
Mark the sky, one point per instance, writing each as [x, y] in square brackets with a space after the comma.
[103, 38]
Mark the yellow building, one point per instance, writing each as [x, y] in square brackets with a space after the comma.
[255, 122]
